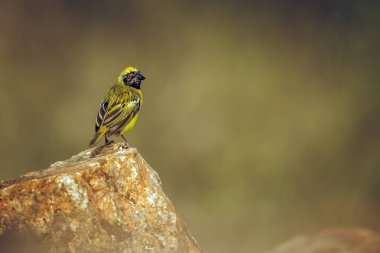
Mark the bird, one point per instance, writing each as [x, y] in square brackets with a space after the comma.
[120, 107]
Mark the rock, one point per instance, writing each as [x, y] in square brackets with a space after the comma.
[343, 240]
[101, 200]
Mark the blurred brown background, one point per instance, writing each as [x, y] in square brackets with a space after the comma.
[262, 118]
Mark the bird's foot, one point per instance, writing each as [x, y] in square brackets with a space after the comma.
[109, 143]
[125, 144]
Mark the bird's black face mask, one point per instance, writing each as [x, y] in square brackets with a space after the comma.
[133, 79]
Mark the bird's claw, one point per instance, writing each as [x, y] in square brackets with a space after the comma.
[125, 145]
[109, 142]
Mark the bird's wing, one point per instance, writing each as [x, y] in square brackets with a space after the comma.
[116, 115]
[101, 113]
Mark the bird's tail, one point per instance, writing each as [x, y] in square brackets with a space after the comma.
[97, 136]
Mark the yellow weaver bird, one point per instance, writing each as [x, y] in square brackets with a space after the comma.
[120, 108]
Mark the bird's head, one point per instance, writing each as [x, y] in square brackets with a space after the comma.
[130, 76]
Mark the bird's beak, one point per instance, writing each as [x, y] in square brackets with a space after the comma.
[140, 77]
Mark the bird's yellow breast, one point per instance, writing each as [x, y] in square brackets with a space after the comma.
[130, 124]
[132, 94]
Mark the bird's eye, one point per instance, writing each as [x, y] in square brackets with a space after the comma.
[128, 78]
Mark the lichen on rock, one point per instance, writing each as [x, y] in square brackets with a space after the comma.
[100, 200]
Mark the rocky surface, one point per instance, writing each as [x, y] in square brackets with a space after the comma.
[343, 240]
[101, 200]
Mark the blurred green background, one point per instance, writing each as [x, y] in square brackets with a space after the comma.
[262, 118]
